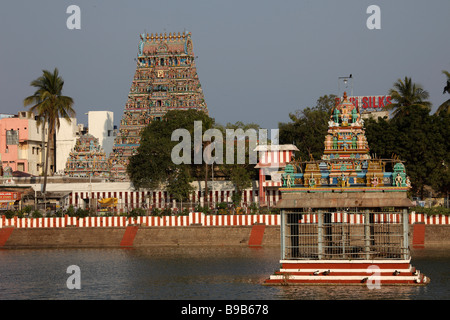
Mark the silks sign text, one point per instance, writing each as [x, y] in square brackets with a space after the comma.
[369, 102]
[9, 196]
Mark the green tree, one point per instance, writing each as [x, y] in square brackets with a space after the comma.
[153, 167]
[439, 157]
[242, 178]
[421, 141]
[240, 174]
[383, 138]
[49, 105]
[179, 185]
[405, 93]
[445, 107]
[308, 128]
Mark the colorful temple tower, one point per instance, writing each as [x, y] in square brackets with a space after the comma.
[87, 159]
[165, 79]
[344, 217]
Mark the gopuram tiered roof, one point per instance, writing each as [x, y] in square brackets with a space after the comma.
[165, 79]
[87, 159]
[346, 166]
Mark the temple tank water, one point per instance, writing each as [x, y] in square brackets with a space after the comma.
[185, 273]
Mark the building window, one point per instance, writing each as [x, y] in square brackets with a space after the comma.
[12, 137]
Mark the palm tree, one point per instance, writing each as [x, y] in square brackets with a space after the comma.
[406, 93]
[49, 105]
[445, 107]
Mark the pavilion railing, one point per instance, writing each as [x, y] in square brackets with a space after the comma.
[322, 239]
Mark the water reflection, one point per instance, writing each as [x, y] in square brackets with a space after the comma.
[185, 273]
[348, 293]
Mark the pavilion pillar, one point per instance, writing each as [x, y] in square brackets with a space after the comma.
[367, 233]
[405, 222]
[262, 194]
[282, 233]
[320, 234]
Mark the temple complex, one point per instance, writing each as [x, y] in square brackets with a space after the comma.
[87, 159]
[344, 217]
[165, 79]
[346, 161]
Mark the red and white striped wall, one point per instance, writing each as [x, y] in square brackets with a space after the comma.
[161, 199]
[347, 272]
[206, 220]
[357, 218]
[275, 157]
[197, 218]
[426, 219]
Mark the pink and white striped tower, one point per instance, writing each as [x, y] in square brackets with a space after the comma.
[272, 159]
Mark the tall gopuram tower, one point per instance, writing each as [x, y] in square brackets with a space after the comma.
[344, 217]
[165, 79]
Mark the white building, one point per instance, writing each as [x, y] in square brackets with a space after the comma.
[101, 126]
[66, 137]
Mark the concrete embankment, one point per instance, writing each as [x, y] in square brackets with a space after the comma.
[141, 236]
[133, 236]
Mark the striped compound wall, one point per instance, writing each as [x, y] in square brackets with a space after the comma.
[160, 199]
[198, 218]
[380, 218]
[194, 218]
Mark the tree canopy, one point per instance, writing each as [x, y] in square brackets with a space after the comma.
[152, 166]
[406, 93]
[419, 139]
[49, 105]
[308, 128]
[445, 106]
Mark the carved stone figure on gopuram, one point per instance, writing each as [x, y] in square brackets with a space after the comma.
[165, 79]
[346, 163]
[87, 159]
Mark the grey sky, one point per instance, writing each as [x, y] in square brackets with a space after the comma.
[257, 60]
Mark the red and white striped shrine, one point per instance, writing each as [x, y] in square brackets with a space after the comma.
[272, 158]
[372, 273]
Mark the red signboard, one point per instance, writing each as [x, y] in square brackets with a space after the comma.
[369, 102]
[9, 196]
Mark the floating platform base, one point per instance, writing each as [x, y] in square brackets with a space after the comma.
[347, 272]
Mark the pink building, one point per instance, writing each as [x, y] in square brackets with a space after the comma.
[21, 143]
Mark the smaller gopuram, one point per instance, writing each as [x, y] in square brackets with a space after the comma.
[87, 159]
[344, 217]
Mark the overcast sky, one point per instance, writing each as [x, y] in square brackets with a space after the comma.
[257, 60]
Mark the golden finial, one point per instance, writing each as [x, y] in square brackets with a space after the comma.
[147, 36]
[345, 96]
